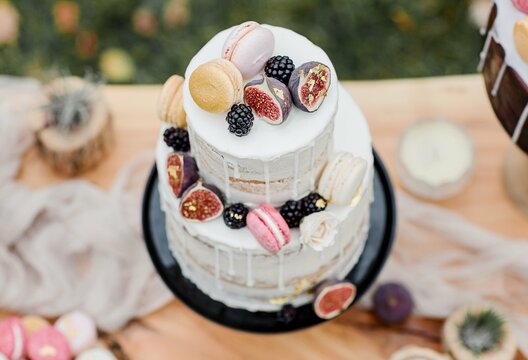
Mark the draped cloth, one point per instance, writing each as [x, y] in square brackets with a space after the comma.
[75, 246]
[447, 262]
[70, 246]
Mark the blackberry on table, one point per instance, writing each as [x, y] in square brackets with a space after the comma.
[240, 119]
[280, 67]
[313, 203]
[235, 216]
[292, 212]
[177, 138]
[287, 314]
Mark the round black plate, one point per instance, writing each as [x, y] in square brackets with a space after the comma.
[377, 248]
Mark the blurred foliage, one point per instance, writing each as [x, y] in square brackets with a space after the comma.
[146, 41]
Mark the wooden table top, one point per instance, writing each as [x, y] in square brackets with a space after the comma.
[176, 332]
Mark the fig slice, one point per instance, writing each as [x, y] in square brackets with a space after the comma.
[201, 202]
[332, 297]
[309, 85]
[269, 99]
[182, 172]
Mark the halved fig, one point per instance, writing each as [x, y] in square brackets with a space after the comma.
[332, 297]
[201, 202]
[269, 99]
[182, 171]
[309, 84]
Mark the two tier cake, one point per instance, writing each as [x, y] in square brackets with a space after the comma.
[266, 172]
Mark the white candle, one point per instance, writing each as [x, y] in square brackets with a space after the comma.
[436, 158]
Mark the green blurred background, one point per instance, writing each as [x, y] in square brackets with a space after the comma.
[135, 41]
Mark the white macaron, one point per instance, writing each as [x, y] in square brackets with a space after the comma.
[79, 329]
[342, 178]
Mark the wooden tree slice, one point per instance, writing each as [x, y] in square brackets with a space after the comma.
[516, 176]
[71, 152]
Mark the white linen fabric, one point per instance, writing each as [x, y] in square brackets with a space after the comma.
[447, 262]
[70, 246]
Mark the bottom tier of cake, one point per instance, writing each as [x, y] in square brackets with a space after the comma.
[258, 281]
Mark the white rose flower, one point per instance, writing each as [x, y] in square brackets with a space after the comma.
[319, 230]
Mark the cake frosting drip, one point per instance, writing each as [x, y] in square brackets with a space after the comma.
[502, 31]
[505, 72]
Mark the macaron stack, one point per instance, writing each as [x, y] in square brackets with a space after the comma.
[274, 84]
[33, 337]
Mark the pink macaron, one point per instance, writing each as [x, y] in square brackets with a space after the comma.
[269, 228]
[49, 344]
[522, 5]
[249, 46]
[13, 338]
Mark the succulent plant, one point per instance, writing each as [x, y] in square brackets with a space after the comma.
[269, 99]
[182, 171]
[201, 202]
[69, 107]
[332, 297]
[481, 332]
[309, 85]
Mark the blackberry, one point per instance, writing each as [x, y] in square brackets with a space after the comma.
[287, 314]
[292, 212]
[240, 119]
[280, 68]
[177, 138]
[313, 203]
[235, 216]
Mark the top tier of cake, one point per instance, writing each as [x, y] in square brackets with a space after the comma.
[273, 163]
[265, 142]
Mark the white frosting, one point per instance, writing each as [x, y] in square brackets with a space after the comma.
[502, 31]
[277, 233]
[298, 131]
[351, 134]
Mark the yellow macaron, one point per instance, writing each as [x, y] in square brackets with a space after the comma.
[216, 85]
[33, 323]
[520, 36]
[170, 104]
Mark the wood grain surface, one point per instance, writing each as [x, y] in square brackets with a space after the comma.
[175, 332]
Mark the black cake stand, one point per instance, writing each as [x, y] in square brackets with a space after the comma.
[377, 249]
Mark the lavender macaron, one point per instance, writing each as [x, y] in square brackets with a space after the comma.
[249, 46]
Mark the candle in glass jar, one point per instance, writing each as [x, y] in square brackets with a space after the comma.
[436, 158]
